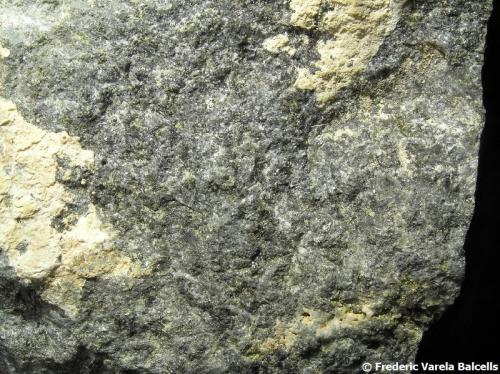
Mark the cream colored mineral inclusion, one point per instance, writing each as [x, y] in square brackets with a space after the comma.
[323, 326]
[304, 12]
[4, 52]
[353, 32]
[277, 44]
[30, 198]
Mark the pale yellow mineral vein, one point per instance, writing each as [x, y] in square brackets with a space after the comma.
[404, 158]
[31, 197]
[353, 33]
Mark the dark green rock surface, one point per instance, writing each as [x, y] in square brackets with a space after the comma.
[263, 218]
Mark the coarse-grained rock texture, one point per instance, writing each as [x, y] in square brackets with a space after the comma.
[232, 186]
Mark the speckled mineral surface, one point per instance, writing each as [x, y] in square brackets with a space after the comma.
[232, 186]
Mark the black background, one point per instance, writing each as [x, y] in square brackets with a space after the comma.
[469, 331]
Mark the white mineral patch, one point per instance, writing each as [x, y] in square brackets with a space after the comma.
[19, 22]
[4, 52]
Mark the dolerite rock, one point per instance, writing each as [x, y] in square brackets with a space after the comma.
[232, 186]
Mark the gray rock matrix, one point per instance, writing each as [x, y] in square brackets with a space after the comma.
[273, 186]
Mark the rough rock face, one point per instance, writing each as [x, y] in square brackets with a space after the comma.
[223, 186]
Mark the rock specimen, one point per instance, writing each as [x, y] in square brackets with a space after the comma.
[226, 186]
